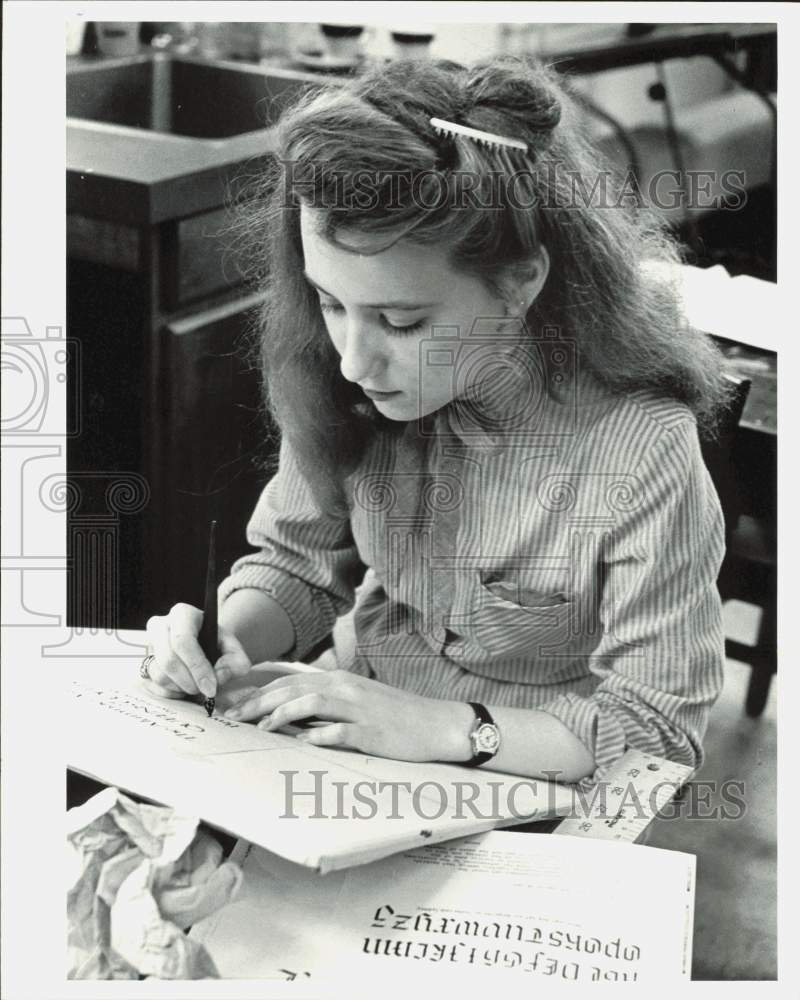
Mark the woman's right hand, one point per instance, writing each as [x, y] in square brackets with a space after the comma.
[180, 668]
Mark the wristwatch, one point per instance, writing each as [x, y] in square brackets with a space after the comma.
[484, 736]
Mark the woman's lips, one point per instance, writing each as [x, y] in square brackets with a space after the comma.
[380, 395]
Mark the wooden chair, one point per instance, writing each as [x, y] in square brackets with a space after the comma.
[749, 570]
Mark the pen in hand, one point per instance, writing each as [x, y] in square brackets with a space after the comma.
[209, 630]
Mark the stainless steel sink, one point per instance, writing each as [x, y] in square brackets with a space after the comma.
[181, 96]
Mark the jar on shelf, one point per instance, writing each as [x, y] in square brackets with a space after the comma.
[118, 38]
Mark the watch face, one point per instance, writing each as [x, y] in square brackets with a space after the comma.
[487, 738]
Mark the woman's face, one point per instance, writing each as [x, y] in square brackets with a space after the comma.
[380, 310]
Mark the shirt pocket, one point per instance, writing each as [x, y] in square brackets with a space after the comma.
[506, 620]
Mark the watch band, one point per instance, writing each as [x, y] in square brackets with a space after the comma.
[482, 718]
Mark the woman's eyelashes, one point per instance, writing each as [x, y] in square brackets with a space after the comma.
[410, 328]
[415, 327]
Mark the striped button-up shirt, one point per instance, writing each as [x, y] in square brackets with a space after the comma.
[552, 554]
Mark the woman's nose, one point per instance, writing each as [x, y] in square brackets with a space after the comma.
[362, 355]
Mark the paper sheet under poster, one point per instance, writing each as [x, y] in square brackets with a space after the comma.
[529, 908]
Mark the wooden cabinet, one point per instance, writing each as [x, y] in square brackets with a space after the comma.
[198, 258]
[213, 441]
[171, 400]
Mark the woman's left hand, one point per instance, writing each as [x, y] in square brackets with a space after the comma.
[363, 715]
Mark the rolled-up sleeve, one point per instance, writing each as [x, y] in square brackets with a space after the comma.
[307, 559]
[661, 653]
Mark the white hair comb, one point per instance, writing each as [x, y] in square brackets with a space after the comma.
[487, 138]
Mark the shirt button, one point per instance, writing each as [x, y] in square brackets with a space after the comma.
[439, 633]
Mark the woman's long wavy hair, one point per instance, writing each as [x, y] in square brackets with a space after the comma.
[365, 154]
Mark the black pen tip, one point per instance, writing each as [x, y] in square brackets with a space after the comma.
[209, 704]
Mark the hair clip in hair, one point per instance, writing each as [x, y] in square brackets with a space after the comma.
[487, 138]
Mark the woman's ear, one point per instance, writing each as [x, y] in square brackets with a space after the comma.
[532, 280]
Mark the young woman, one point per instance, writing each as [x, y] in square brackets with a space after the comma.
[489, 412]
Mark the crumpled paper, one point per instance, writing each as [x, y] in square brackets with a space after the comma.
[140, 875]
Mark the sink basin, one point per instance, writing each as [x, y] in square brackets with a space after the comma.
[181, 96]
